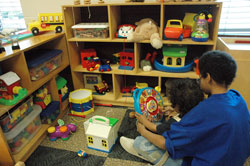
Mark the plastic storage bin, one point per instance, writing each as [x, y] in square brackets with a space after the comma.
[91, 30]
[16, 115]
[24, 131]
[41, 62]
[51, 112]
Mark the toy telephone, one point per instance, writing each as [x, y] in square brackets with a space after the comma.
[124, 30]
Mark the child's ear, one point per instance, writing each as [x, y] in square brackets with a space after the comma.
[209, 78]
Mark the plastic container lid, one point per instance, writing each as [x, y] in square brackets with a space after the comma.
[39, 56]
[52, 107]
[91, 25]
[24, 123]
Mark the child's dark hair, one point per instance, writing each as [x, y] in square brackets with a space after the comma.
[220, 65]
[185, 93]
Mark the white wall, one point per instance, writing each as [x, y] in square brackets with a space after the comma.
[31, 8]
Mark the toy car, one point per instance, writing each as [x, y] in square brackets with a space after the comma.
[102, 87]
[174, 30]
[105, 67]
[126, 90]
[82, 153]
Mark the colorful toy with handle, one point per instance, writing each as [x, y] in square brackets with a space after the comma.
[62, 131]
[148, 102]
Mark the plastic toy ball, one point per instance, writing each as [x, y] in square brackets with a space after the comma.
[82, 153]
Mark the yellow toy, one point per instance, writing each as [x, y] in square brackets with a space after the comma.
[47, 22]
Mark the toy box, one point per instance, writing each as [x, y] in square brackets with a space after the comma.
[42, 61]
[16, 115]
[101, 133]
[91, 30]
[24, 131]
[51, 112]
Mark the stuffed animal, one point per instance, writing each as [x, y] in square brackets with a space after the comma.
[146, 64]
[146, 29]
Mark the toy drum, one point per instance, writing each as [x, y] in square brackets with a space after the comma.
[81, 102]
[148, 102]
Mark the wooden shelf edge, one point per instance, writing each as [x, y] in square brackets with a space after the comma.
[143, 4]
[24, 154]
[187, 41]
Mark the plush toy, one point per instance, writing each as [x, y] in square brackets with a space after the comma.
[146, 64]
[146, 29]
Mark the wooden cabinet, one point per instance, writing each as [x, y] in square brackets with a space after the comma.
[240, 50]
[116, 14]
[15, 60]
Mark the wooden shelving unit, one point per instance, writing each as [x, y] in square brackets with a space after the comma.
[129, 13]
[15, 61]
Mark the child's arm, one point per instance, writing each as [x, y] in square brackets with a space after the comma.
[156, 139]
[143, 120]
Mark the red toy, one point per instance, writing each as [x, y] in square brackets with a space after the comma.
[10, 90]
[127, 60]
[174, 30]
[93, 63]
[85, 54]
[102, 87]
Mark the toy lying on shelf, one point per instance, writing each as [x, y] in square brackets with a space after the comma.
[42, 97]
[47, 22]
[105, 66]
[158, 66]
[201, 31]
[10, 90]
[101, 133]
[62, 88]
[62, 131]
[102, 87]
[127, 59]
[124, 30]
[146, 64]
[174, 56]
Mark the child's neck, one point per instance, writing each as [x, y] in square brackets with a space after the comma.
[218, 89]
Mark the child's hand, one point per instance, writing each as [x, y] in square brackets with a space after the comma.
[141, 118]
[140, 128]
[168, 110]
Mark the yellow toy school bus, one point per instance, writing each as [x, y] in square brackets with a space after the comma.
[47, 22]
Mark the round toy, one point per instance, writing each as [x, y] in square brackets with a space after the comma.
[148, 102]
[81, 102]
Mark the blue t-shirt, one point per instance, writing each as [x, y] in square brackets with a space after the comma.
[214, 133]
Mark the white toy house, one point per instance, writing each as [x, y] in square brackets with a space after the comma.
[101, 133]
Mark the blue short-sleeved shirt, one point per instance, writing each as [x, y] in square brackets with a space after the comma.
[214, 133]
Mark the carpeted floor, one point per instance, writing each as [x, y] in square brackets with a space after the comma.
[60, 153]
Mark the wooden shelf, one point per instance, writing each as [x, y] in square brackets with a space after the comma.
[187, 41]
[35, 85]
[128, 13]
[15, 60]
[156, 73]
[142, 4]
[28, 44]
[32, 145]
[109, 96]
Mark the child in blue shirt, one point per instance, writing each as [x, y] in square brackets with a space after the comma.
[217, 131]
[184, 94]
